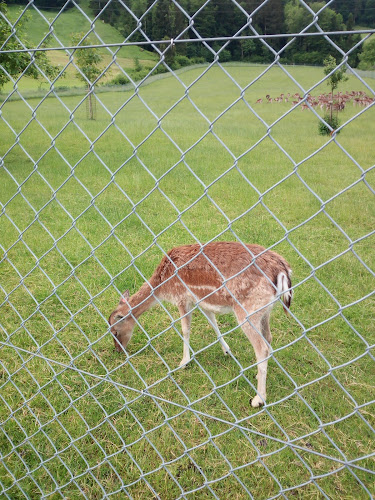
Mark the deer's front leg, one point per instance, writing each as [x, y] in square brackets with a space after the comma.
[185, 313]
[211, 318]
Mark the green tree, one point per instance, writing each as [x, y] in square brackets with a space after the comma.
[358, 8]
[367, 58]
[16, 63]
[337, 76]
[350, 22]
[162, 21]
[343, 7]
[42, 4]
[369, 12]
[350, 41]
[270, 17]
[205, 25]
[333, 81]
[247, 48]
[311, 50]
[87, 60]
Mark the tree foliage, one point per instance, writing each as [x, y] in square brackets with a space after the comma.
[45, 4]
[363, 11]
[30, 63]
[165, 20]
[87, 59]
[367, 58]
[336, 76]
[314, 50]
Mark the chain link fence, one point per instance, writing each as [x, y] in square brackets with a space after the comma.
[91, 201]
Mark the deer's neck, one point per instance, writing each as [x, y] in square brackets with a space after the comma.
[142, 300]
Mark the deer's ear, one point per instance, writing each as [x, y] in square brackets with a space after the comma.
[124, 296]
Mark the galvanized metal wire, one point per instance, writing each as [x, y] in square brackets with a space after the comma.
[104, 376]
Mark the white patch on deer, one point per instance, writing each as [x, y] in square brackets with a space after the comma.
[283, 287]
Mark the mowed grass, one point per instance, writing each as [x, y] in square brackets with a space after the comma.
[89, 209]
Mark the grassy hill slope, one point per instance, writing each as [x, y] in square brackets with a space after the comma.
[64, 26]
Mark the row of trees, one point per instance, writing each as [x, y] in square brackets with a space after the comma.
[165, 20]
[45, 4]
[363, 11]
[224, 18]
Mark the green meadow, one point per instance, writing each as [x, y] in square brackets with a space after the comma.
[89, 208]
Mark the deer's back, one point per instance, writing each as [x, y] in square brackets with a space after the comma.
[203, 270]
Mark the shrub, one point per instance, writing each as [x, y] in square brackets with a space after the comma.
[139, 75]
[137, 65]
[160, 69]
[333, 122]
[309, 58]
[119, 80]
[198, 60]
[225, 55]
[174, 65]
[182, 61]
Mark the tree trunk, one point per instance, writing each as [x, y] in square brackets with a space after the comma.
[91, 111]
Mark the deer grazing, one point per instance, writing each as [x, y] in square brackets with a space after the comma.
[221, 277]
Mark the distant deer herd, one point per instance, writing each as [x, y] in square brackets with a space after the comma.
[324, 101]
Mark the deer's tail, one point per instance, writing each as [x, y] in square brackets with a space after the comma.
[284, 288]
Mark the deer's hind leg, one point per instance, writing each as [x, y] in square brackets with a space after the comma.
[265, 328]
[256, 328]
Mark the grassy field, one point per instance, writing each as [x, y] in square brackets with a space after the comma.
[88, 207]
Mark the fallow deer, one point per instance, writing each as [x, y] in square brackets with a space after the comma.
[220, 277]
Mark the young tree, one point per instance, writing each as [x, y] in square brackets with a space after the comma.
[87, 60]
[333, 81]
[16, 63]
[336, 77]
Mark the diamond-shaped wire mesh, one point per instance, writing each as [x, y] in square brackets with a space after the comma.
[99, 181]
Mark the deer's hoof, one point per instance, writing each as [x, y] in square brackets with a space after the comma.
[256, 401]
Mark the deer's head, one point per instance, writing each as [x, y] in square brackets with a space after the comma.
[122, 323]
